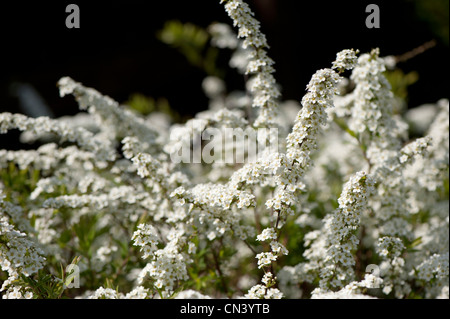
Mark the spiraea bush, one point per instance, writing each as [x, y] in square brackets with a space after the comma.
[254, 198]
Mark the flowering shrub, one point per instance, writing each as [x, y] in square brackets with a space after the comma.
[346, 205]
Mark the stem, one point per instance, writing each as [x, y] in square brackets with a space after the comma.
[276, 225]
[416, 51]
[219, 271]
[359, 255]
[363, 148]
[257, 220]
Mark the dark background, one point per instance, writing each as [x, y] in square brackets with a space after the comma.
[116, 51]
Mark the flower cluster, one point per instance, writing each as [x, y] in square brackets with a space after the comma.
[82, 137]
[262, 84]
[261, 292]
[435, 267]
[146, 237]
[351, 291]
[341, 241]
[265, 291]
[372, 98]
[108, 293]
[167, 265]
[19, 254]
[345, 60]
[390, 246]
[266, 258]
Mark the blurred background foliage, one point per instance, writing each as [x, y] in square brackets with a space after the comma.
[435, 14]
[145, 105]
[154, 55]
[192, 41]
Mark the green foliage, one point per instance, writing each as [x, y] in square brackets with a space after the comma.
[44, 286]
[400, 82]
[19, 183]
[435, 13]
[146, 105]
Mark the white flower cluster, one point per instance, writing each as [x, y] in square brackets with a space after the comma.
[261, 292]
[223, 36]
[146, 237]
[433, 167]
[341, 241]
[167, 265]
[372, 99]
[348, 292]
[19, 254]
[107, 113]
[378, 136]
[190, 294]
[289, 168]
[267, 234]
[321, 91]
[213, 207]
[16, 292]
[108, 293]
[82, 137]
[390, 246]
[263, 84]
[265, 291]
[435, 267]
[266, 258]
[345, 60]
[351, 291]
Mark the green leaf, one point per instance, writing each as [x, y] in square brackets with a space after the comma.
[415, 242]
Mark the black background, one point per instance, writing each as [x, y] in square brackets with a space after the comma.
[116, 51]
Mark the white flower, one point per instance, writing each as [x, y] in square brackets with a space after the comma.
[265, 259]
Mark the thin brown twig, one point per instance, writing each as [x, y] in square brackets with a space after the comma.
[219, 271]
